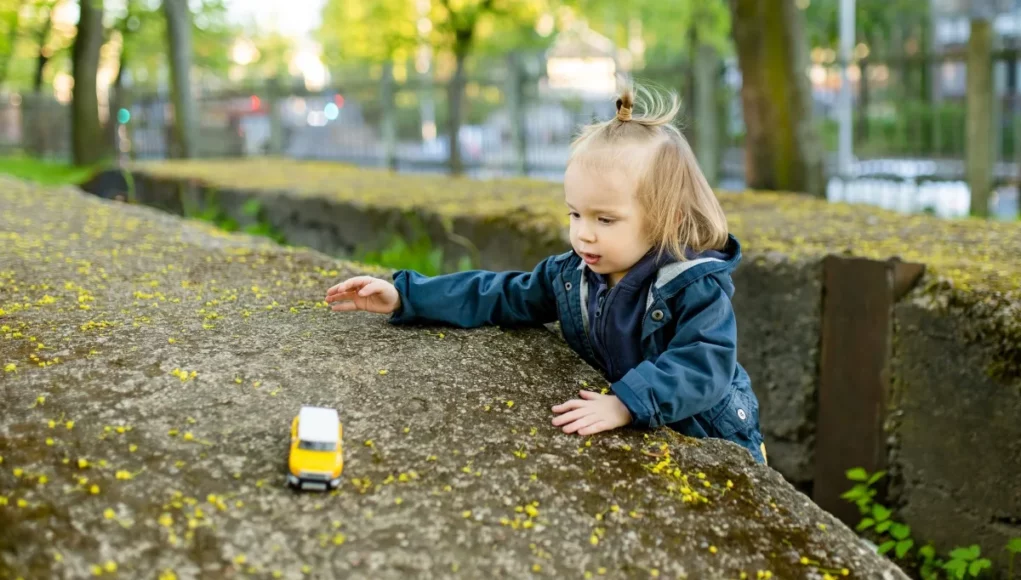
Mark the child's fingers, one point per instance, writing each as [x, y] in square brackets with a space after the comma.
[350, 284]
[568, 405]
[374, 287]
[589, 395]
[582, 423]
[345, 295]
[572, 416]
[345, 306]
[594, 428]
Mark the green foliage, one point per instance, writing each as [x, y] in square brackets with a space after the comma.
[874, 21]
[46, 172]
[387, 30]
[417, 254]
[665, 25]
[213, 213]
[892, 536]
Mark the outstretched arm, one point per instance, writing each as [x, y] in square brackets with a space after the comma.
[478, 297]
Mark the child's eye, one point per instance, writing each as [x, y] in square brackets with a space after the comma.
[606, 220]
[573, 214]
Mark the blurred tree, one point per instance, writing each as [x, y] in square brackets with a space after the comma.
[44, 11]
[458, 27]
[274, 52]
[390, 31]
[657, 24]
[10, 16]
[141, 27]
[367, 32]
[179, 42]
[877, 23]
[782, 150]
[87, 143]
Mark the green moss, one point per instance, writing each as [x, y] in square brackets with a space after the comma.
[988, 319]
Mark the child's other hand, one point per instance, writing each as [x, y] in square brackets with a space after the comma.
[591, 414]
[364, 293]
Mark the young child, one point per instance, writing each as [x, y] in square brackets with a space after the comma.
[644, 295]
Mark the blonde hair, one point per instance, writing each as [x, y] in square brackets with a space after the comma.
[681, 211]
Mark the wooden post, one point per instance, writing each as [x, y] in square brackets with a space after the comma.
[276, 124]
[979, 151]
[388, 127]
[515, 104]
[854, 380]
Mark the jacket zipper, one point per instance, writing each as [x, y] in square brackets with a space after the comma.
[601, 331]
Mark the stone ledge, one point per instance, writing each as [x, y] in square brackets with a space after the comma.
[181, 353]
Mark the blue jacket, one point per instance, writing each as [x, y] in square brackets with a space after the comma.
[690, 379]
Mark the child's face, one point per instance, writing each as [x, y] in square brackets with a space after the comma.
[606, 219]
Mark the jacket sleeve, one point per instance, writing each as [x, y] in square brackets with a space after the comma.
[693, 373]
[478, 297]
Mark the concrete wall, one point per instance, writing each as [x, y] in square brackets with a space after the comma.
[954, 432]
[782, 359]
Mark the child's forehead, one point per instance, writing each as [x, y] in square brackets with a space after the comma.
[598, 187]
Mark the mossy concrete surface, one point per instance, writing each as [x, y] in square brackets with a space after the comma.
[151, 367]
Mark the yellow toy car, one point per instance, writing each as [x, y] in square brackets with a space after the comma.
[316, 457]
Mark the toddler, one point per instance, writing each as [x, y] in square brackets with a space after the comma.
[644, 295]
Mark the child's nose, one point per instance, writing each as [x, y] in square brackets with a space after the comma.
[586, 234]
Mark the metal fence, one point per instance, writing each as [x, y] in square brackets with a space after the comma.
[909, 143]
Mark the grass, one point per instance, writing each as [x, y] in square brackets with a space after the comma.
[45, 172]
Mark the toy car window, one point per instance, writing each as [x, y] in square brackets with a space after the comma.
[317, 446]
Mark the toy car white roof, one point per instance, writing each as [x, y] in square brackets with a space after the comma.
[318, 424]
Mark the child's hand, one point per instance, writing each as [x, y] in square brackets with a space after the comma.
[593, 414]
[364, 293]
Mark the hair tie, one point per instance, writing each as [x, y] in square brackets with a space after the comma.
[623, 113]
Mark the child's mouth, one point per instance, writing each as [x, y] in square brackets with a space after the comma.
[590, 258]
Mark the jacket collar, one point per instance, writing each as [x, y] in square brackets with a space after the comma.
[672, 278]
[673, 275]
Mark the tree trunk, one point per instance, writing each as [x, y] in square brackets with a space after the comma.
[455, 104]
[862, 130]
[179, 41]
[979, 154]
[43, 58]
[86, 131]
[782, 147]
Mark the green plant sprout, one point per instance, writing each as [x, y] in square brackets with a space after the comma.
[890, 535]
